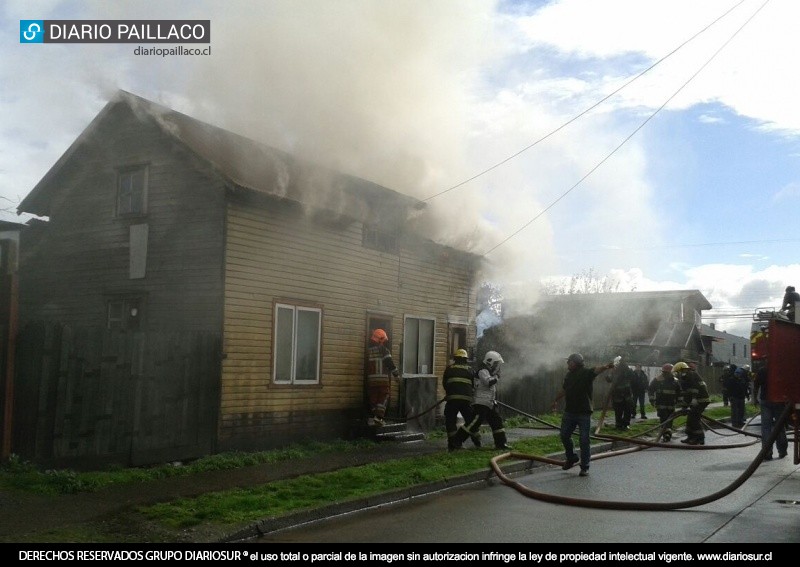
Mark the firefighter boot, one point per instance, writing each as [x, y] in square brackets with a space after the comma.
[455, 442]
[476, 440]
[500, 440]
[667, 435]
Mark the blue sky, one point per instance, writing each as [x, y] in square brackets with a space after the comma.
[421, 96]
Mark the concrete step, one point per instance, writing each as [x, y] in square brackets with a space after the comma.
[399, 437]
[391, 432]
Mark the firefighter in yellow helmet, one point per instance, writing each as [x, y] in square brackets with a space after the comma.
[664, 391]
[694, 396]
[380, 370]
[459, 384]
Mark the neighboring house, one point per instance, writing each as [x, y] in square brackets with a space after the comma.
[194, 291]
[724, 348]
[652, 328]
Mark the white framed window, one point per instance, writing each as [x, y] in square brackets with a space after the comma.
[296, 344]
[418, 342]
[132, 191]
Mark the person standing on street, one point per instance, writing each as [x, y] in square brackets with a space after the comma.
[578, 390]
[770, 412]
[484, 404]
[738, 387]
[639, 389]
[621, 395]
[724, 379]
[664, 391]
[459, 386]
[694, 396]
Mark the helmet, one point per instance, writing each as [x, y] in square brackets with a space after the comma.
[460, 353]
[666, 368]
[739, 372]
[492, 357]
[575, 358]
[790, 288]
[680, 367]
[379, 336]
[746, 368]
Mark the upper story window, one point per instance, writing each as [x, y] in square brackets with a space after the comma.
[296, 344]
[377, 238]
[125, 313]
[132, 191]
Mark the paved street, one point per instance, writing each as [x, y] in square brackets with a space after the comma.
[765, 509]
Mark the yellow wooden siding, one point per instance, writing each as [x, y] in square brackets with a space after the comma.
[280, 255]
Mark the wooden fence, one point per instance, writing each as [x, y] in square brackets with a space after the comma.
[87, 396]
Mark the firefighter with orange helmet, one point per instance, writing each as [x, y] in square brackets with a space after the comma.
[380, 370]
[694, 396]
[664, 391]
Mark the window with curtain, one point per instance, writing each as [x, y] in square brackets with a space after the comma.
[296, 344]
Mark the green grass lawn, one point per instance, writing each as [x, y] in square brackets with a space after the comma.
[236, 507]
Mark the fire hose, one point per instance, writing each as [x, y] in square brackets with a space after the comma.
[651, 506]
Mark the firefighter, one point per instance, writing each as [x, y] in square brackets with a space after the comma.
[724, 380]
[485, 401]
[790, 298]
[694, 396]
[459, 383]
[663, 392]
[621, 379]
[380, 370]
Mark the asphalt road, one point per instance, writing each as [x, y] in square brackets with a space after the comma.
[764, 509]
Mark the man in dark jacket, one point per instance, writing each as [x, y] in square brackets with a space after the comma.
[770, 412]
[738, 387]
[459, 384]
[639, 389]
[577, 389]
[724, 379]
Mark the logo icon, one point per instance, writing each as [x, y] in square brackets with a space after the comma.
[31, 31]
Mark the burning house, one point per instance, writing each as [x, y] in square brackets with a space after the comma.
[194, 291]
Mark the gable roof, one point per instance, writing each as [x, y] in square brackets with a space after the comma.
[693, 296]
[243, 164]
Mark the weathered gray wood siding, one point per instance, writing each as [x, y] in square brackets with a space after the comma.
[276, 252]
[82, 255]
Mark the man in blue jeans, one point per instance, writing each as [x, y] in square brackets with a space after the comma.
[770, 412]
[577, 389]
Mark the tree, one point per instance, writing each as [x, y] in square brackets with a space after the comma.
[588, 281]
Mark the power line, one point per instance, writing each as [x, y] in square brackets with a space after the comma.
[589, 109]
[695, 245]
[629, 136]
